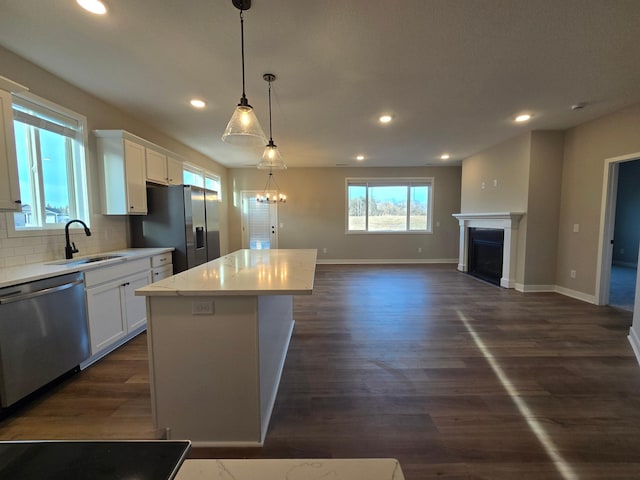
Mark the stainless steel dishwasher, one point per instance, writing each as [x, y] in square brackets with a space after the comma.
[43, 334]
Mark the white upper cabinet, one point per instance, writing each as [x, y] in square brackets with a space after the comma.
[9, 186]
[174, 171]
[163, 169]
[122, 165]
[126, 163]
[156, 167]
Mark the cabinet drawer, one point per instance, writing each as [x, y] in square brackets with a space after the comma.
[106, 274]
[162, 272]
[161, 260]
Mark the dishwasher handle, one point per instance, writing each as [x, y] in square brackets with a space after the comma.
[46, 291]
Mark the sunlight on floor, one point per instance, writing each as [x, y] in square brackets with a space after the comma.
[561, 464]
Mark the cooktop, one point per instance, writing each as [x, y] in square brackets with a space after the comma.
[92, 460]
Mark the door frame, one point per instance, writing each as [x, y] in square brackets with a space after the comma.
[607, 224]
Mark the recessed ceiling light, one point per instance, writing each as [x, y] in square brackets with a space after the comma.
[385, 118]
[197, 103]
[93, 6]
[523, 118]
[445, 156]
[360, 157]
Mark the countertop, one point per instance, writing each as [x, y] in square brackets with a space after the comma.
[36, 271]
[290, 469]
[244, 272]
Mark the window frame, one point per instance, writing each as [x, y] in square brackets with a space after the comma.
[204, 175]
[77, 173]
[390, 181]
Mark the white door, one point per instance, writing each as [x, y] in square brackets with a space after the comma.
[259, 223]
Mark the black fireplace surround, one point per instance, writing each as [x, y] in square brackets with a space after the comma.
[485, 254]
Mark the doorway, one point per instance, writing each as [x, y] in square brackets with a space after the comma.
[620, 233]
[626, 237]
[259, 223]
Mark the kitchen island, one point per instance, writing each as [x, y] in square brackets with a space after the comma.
[218, 336]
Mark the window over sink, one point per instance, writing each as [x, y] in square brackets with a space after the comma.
[50, 148]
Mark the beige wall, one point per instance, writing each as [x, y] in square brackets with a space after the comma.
[543, 208]
[109, 232]
[507, 164]
[587, 146]
[314, 215]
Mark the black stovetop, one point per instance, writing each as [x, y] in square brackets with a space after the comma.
[92, 460]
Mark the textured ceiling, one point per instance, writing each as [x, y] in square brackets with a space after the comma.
[453, 73]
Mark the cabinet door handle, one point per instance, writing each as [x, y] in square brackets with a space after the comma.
[126, 284]
[17, 201]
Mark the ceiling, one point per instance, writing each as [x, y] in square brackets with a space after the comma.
[453, 74]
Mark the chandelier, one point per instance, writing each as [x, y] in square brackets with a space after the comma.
[266, 196]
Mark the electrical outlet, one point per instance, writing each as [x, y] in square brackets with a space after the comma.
[576, 228]
[572, 273]
[495, 182]
[419, 249]
[202, 307]
[324, 250]
[437, 224]
[483, 185]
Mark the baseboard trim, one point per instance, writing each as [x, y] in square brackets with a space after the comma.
[521, 287]
[577, 295]
[634, 340]
[384, 261]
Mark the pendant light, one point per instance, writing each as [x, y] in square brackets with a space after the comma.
[243, 128]
[271, 159]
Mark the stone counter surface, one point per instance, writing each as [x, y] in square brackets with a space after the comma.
[292, 469]
[244, 272]
[28, 273]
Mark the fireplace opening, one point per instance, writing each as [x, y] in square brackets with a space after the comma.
[486, 253]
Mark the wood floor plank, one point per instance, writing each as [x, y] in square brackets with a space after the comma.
[456, 378]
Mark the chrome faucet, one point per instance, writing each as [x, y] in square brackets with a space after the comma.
[70, 248]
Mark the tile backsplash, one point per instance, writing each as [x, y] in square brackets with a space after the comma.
[107, 233]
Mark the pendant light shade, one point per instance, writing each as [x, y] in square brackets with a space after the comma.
[243, 128]
[271, 158]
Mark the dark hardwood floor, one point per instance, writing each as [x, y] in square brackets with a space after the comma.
[456, 378]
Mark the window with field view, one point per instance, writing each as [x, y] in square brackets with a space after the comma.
[389, 205]
[50, 147]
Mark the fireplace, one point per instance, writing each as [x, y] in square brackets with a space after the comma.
[507, 225]
[485, 253]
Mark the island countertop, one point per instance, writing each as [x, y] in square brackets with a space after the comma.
[244, 272]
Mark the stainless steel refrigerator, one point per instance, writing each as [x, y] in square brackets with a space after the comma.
[183, 217]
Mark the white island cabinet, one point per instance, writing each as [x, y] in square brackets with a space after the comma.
[218, 335]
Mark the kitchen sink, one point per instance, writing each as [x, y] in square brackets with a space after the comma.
[82, 261]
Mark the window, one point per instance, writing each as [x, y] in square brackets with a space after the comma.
[193, 176]
[50, 147]
[212, 182]
[389, 205]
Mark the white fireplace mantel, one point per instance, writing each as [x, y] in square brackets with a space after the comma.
[507, 221]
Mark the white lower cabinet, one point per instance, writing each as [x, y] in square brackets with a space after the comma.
[115, 313]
